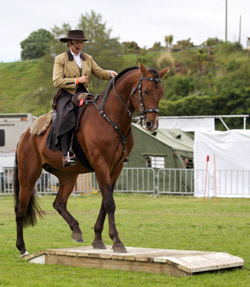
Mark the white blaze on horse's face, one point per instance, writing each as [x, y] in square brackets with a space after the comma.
[151, 93]
[150, 121]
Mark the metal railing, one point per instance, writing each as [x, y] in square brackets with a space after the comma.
[223, 183]
[46, 184]
[6, 181]
[136, 180]
[131, 180]
[180, 181]
[231, 183]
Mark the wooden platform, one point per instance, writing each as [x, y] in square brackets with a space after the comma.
[173, 262]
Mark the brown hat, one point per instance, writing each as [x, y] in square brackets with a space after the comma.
[74, 35]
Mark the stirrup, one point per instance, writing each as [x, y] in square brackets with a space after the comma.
[69, 159]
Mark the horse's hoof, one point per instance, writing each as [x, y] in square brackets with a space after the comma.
[120, 248]
[24, 254]
[98, 244]
[77, 237]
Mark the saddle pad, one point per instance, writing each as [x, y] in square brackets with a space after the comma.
[40, 125]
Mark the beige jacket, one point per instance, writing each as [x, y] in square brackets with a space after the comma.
[66, 70]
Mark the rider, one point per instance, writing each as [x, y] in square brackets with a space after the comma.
[72, 72]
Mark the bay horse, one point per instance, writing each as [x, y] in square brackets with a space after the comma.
[104, 134]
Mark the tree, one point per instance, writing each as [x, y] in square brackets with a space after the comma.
[183, 44]
[36, 45]
[211, 43]
[169, 40]
[131, 47]
[178, 87]
[156, 47]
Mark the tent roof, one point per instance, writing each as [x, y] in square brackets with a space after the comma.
[175, 138]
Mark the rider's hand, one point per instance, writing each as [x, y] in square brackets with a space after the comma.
[83, 79]
[112, 74]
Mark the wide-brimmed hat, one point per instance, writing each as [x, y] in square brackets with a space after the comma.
[74, 35]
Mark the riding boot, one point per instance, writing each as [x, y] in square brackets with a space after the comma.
[68, 155]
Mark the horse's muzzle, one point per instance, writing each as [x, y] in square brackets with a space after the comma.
[150, 124]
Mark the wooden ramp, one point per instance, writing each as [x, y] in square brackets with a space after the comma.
[173, 262]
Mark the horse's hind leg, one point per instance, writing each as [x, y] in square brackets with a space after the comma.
[66, 185]
[25, 207]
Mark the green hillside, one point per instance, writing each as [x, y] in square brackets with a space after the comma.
[16, 85]
[202, 81]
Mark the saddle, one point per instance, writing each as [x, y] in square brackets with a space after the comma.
[41, 124]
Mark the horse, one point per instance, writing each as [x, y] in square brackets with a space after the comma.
[105, 137]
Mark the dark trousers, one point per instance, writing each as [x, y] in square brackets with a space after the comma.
[65, 142]
[60, 134]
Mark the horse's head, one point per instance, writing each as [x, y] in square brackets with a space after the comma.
[150, 92]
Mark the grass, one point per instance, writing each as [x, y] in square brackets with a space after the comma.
[16, 85]
[143, 221]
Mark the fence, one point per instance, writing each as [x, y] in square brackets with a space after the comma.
[223, 183]
[231, 183]
[134, 180]
[181, 181]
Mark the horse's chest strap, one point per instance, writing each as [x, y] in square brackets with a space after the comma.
[124, 139]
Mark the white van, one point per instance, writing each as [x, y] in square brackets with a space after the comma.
[12, 126]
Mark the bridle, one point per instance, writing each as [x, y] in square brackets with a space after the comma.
[139, 88]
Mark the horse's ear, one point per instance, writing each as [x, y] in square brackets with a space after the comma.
[163, 72]
[142, 68]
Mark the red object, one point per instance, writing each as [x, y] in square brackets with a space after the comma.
[204, 200]
[81, 102]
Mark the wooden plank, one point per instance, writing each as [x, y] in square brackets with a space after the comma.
[115, 264]
[174, 262]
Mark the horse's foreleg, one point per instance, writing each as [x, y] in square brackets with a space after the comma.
[106, 183]
[109, 205]
[66, 185]
[98, 242]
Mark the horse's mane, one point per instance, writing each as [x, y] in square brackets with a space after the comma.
[124, 72]
[120, 74]
[152, 70]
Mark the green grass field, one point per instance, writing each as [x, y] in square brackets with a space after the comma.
[142, 221]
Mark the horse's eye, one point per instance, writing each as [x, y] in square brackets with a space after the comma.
[146, 92]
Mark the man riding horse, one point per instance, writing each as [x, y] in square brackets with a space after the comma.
[71, 74]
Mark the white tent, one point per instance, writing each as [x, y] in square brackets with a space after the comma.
[187, 124]
[226, 157]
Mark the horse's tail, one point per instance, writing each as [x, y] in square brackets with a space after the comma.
[33, 207]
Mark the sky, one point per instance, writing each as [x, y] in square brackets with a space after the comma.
[142, 21]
